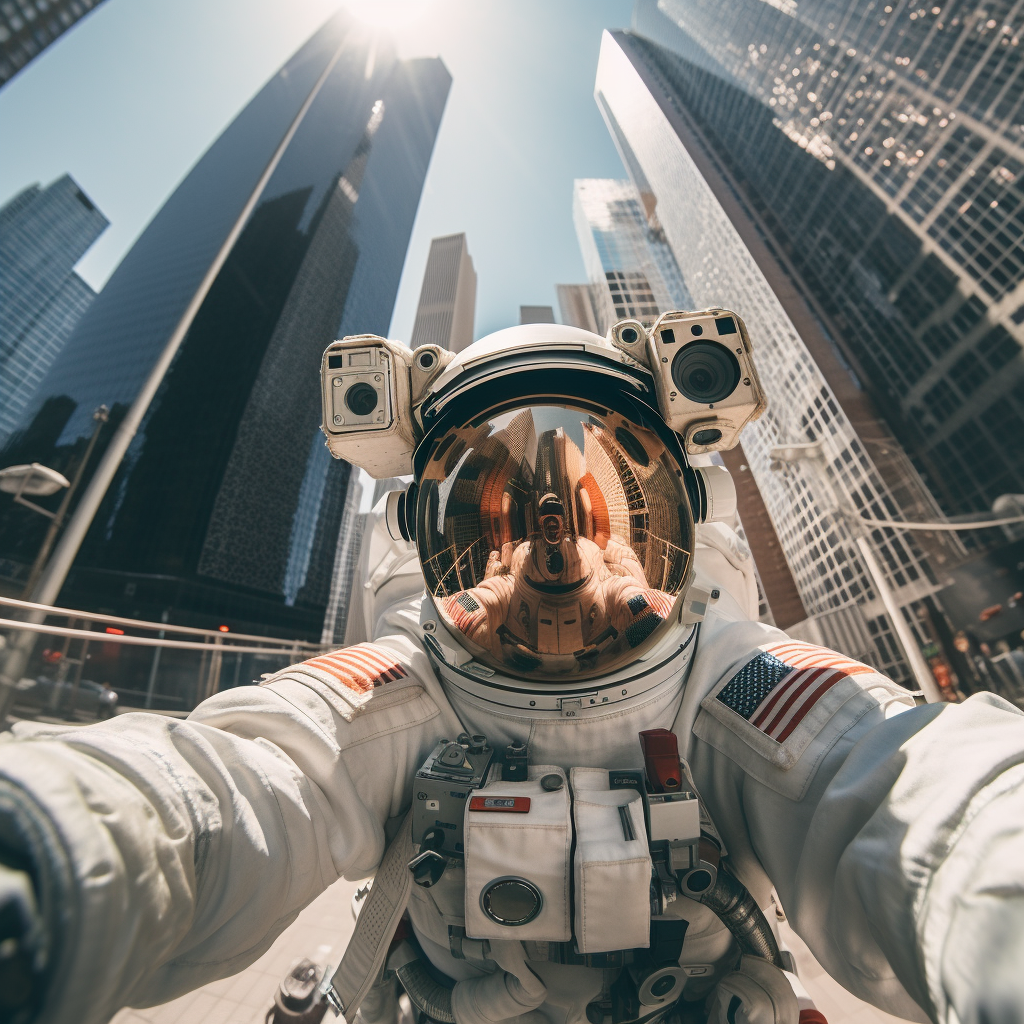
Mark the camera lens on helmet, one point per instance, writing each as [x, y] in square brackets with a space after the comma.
[628, 335]
[709, 435]
[361, 399]
[705, 372]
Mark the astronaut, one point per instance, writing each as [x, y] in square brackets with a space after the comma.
[481, 753]
[573, 585]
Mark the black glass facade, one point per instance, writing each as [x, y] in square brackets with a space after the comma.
[227, 505]
[27, 27]
[881, 145]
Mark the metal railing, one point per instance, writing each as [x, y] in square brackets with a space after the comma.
[138, 660]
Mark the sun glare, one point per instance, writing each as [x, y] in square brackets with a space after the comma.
[388, 14]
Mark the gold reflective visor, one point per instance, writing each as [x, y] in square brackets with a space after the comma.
[554, 541]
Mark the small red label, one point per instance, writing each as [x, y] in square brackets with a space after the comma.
[508, 804]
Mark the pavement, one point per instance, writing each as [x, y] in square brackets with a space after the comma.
[321, 933]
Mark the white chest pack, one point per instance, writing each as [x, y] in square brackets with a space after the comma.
[576, 868]
[579, 867]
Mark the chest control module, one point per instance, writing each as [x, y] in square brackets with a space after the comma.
[453, 770]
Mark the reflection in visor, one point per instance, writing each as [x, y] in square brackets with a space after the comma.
[554, 540]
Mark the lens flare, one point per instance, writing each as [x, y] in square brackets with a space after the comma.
[388, 14]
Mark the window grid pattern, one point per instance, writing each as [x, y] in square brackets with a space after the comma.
[632, 270]
[718, 269]
[43, 234]
[27, 27]
[896, 194]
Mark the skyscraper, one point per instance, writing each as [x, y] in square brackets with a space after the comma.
[812, 397]
[576, 306]
[346, 562]
[43, 234]
[631, 268]
[879, 147]
[447, 306]
[536, 315]
[27, 27]
[634, 273]
[227, 502]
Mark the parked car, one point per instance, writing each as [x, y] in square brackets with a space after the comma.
[52, 696]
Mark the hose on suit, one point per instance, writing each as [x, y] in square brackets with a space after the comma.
[731, 901]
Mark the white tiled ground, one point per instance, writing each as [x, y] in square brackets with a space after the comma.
[321, 933]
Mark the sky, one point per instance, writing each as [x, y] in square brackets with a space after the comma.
[131, 97]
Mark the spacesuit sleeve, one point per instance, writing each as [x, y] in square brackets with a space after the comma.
[892, 833]
[170, 853]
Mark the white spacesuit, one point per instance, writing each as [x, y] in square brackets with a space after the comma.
[571, 603]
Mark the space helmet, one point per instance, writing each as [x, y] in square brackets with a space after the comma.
[552, 507]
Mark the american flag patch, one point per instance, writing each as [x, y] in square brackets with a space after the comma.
[776, 689]
[465, 611]
[656, 600]
[360, 668]
[650, 608]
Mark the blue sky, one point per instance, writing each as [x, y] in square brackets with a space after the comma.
[130, 98]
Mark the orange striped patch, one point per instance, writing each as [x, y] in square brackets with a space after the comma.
[361, 668]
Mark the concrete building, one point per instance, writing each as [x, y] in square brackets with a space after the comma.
[447, 307]
[576, 306]
[724, 261]
[44, 232]
[536, 315]
[27, 27]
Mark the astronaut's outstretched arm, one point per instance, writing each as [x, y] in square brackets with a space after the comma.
[893, 834]
[166, 854]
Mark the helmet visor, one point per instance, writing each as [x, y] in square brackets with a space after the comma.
[554, 541]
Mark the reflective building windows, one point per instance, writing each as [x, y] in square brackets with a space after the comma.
[882, 147]
[43, 234]
[718, 268]
[227, 503]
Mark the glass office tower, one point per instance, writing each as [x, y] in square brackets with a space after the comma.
[227, 504]
[880, 145]
[634, 273]
[27, 27]
[631, 268]
[722, 267]
[44, 232]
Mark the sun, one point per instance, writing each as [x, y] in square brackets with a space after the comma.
[388, 14]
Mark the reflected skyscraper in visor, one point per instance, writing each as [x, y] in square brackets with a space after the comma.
[879, 146]
[227, 503]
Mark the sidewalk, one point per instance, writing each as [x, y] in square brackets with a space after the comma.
[321, 932]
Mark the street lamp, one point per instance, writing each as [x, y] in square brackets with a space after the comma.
[50, 580]
[100, 416]
[40, 481]
[812, 452]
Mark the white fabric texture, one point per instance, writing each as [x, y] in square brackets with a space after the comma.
[898, 851]
[755, 993]
[612, 873]
[533, 846]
